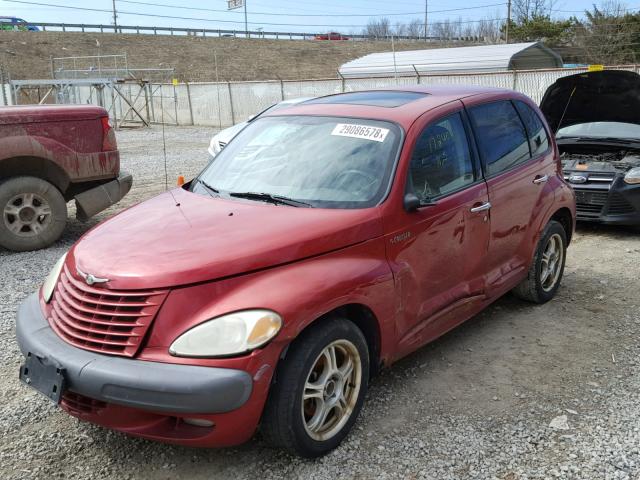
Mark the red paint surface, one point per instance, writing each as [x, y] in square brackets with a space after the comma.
[69, 136]
[419, 273]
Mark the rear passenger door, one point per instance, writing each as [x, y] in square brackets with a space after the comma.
[517, 162]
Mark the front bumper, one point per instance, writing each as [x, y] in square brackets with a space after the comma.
[148, 386]
[615, 204]
[93, 201]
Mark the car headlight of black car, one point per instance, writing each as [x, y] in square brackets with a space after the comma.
[633, 176]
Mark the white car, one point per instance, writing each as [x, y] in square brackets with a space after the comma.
[219, 141]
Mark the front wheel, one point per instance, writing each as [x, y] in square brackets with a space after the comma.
[545, 273]
[319, 389]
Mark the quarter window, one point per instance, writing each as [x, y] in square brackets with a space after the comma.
[538, 138]
[501, 136]
[441, 161]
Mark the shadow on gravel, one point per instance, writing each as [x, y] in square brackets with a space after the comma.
[612, 231]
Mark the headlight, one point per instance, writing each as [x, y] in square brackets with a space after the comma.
[51, 280]
[633, 176]
[231, 334]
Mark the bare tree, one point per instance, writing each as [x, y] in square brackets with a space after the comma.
[378, 28]
[447, 29]
[526, 10]
[400, 29]
[415, 28]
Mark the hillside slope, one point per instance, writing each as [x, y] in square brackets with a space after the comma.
[27, 54]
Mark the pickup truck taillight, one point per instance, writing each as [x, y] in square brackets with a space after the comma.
[109, 142]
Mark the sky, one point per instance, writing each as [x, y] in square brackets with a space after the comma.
[347, 16]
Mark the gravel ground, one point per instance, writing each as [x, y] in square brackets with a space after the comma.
[518, 392]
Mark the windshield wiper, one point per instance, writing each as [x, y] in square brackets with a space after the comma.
[208, 187]
[268, 197]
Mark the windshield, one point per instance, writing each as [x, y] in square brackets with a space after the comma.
[601, 130]
[326, 162]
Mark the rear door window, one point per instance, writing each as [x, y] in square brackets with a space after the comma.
[538, 138]
[441, 161]
[502, 138]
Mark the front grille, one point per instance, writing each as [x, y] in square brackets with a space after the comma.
[80, 405]
[102, 320]
[591, 179]
[619, 206]
[590, 204]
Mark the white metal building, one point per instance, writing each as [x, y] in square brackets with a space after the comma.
[483, 58]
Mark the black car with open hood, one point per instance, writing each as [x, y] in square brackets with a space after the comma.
[596, 119]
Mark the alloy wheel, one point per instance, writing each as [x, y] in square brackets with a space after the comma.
[551, 265]
[331, 390]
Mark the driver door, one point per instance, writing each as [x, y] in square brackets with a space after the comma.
[439, 251]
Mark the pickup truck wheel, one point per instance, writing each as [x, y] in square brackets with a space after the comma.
[34, 214]
[545, 273]
[319, 389]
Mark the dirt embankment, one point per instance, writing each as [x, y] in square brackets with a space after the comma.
[26, 55]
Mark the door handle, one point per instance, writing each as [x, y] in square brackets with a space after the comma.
[481, 208]
[539, 180]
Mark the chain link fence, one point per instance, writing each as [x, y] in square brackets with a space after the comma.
[226, 103]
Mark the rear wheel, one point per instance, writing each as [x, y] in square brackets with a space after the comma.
[545, 273]
[319, 389]
[34, 213]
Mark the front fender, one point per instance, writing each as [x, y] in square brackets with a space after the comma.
[300, 292]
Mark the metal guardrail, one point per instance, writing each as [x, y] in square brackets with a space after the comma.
[204, 32]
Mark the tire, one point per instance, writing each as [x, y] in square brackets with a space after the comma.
[296, 426]
[541, 284]
[33, 214]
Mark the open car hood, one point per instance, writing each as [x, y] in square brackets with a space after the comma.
[605, 96]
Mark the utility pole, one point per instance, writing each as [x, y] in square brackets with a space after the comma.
[426, 10]
[506, 35]
[115, 17]
[246, 23]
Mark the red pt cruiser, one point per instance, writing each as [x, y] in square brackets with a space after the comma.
[324, 242]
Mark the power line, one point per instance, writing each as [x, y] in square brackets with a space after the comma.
[181, 7]
[210, 20]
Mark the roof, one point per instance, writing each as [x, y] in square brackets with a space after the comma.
[404, 114]
[511, 56]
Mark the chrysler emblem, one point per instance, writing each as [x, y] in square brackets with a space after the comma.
[578, 179]
[91, 279]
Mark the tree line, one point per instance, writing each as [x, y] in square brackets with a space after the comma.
[609, 33]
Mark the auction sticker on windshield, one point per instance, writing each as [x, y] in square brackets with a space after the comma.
[364, 132]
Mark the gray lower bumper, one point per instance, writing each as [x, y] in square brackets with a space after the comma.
[153, 386]
[103, 196]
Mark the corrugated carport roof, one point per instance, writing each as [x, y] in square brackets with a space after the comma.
[483, 58]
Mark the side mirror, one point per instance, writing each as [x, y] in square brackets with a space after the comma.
[411, 202]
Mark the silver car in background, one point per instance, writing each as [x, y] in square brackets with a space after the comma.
[219, 141]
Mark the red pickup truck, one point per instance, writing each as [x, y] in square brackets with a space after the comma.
[50, 155]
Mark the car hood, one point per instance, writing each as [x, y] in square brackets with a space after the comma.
[605, 96]
[179, 237]
[227, 134]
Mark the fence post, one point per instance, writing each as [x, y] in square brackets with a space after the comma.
[515, 79]
[282, 89]
[417, 74]
[175, 104]
[233, 113]
[342, 81]
[4, 91]
[189, 100]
